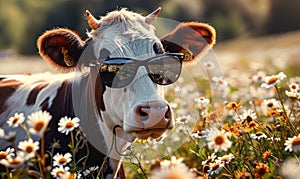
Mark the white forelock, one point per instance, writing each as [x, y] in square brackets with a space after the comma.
[119, 28]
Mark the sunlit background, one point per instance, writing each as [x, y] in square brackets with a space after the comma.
[22, 21]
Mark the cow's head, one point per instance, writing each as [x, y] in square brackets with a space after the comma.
[132, 64]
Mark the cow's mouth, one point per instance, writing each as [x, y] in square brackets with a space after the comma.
[147, 133]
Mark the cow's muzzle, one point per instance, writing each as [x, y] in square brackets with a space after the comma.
[151, 119]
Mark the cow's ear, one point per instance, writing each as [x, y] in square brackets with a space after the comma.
[190, 38]
[61, 48]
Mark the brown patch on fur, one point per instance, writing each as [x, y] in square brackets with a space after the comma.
[45, 104]
[97, 87]
[63, 99]
[7, 88]
[190, 36]
[34, 93]
[51, 43]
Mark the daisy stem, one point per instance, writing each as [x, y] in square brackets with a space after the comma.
[24, 127]
[292, 107]
[187, 130]
[41, 168]
[285, 112]
[73, 148]
[8, 173]
[140, 166]
[42, 158]
[72, 139]
[229, 171]
[238, 115]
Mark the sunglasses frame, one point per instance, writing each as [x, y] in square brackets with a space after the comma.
[138, 63]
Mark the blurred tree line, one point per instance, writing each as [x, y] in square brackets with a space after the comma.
[22, 21]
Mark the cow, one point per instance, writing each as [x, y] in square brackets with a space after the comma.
[112, 81]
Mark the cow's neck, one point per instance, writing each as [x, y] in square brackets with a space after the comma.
[87, 102]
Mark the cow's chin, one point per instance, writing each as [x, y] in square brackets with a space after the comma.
[145, 134]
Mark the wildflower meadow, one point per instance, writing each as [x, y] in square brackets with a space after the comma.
[236, 124]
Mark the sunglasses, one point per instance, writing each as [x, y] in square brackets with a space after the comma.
[162, 69]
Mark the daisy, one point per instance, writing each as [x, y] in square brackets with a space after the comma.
[14, 161]
[29, 147]
[292, 144]
[173, 168]
[215, 168]
[261, 170]
[257, 78]
[8, 153]
[157, 141]
[251, 125]
[202, 102]
[38, 122]
[209, 65]
[57, 172]
[248, 116]
[209, 159]
[271, 103]
[172, 162]
[226, 158]
[294, 87]
[258, 135]
[16, 120]
[67, 124]
[219, 141]
[200, 134]
[219, 81]
[183, 119]
[61, 160]
[271, 81]
[292, 94]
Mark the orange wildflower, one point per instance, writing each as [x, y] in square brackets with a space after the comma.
[261, 170]
[233, 106]
[267, 154]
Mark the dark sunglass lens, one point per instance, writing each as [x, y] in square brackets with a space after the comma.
[117, 73]
[164, 70]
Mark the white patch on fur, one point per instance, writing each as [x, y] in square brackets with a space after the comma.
[17, 102]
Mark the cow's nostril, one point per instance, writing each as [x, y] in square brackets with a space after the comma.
[141, 112]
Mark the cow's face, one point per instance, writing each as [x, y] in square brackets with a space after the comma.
[132, 99]
[132, 65]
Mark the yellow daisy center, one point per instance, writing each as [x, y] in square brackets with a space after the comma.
[219, 140]
[259, 133]
[296, 142]
[215, 166]
[294, 87]
[272, 80]
[62, 160]
[225, 159]
[15, 161]
[270, 105]
[38, 125]
[29, 149]
[3, 155]
[69, 125]
[15, 120]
